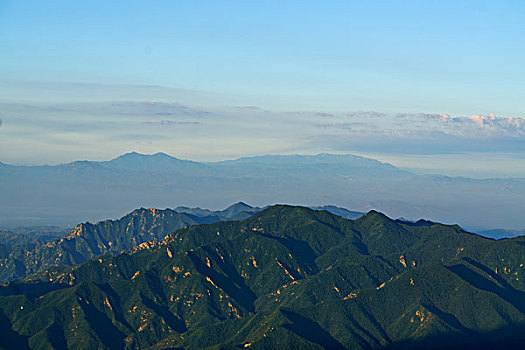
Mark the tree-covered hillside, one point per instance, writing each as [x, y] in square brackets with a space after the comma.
[19, 258]
[286, 277]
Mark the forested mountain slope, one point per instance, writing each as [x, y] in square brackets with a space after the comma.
[286, 277]
[89, 240]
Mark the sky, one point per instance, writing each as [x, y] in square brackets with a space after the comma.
[436, 86]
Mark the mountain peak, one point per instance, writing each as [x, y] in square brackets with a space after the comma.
[136, 155]
[237, 208]
[151, 162]
[161, 155]
[82, 165]
[240, 204]
[374, 217]
[342, 212]
[376, 214]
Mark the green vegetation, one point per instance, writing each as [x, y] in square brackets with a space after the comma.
[24, 254]
[286, 277]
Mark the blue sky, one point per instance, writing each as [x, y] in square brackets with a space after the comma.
[421, 58]
[434, 56]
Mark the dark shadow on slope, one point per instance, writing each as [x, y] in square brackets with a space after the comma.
[171, 320]
[376, 324]
[109, 335]
[9, 339]
[73, 258]
[233, 284]
[55, 335]
[30, 289]
[299, 249]
[20, 268]
[489, 272]
[156, 286]
[450, 319]
[512, 296]
[361, 247]
[364, 343]
[310, 330]
[97, 233]
[510, 337]
[116, 304]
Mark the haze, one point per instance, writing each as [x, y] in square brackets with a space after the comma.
[433, 87]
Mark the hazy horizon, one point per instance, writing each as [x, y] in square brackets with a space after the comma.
[429, 87]
[478, 146]
[403, 162]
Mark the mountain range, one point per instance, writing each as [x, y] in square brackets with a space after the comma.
[29, 235]
[284, 277]
[502, 233]
[23, 252]
[26, 253]
[86, 190]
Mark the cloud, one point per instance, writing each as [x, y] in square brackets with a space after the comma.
[324, 115]
[356, 114]
[110, 126]
[163, 104]
[435, 116]
[365, 114]
[487, 125]
[344, 125]
[511, 124]
[170, 122]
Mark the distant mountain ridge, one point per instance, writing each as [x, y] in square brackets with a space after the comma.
[342, 212]
[502, 233]
[286, 277]
[238, 210]
[155, 162]
[75, 192]
[29, 235]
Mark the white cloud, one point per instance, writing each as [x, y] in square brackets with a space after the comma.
[480, 125]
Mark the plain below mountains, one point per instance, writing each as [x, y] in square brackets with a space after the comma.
[285, 277]
[70, 193]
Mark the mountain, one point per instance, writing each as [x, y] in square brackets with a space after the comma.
[80, 191]
[342, 212]
[242, 210]
[30, 235]
[286, 277]
[36, 249]
[24, 239]
[308, 165]
[238, 210]
[158, 162]
[21, 257]
[11, 241]
[502, 233]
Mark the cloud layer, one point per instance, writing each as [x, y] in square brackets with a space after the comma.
[488, 125]
[38, 132]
